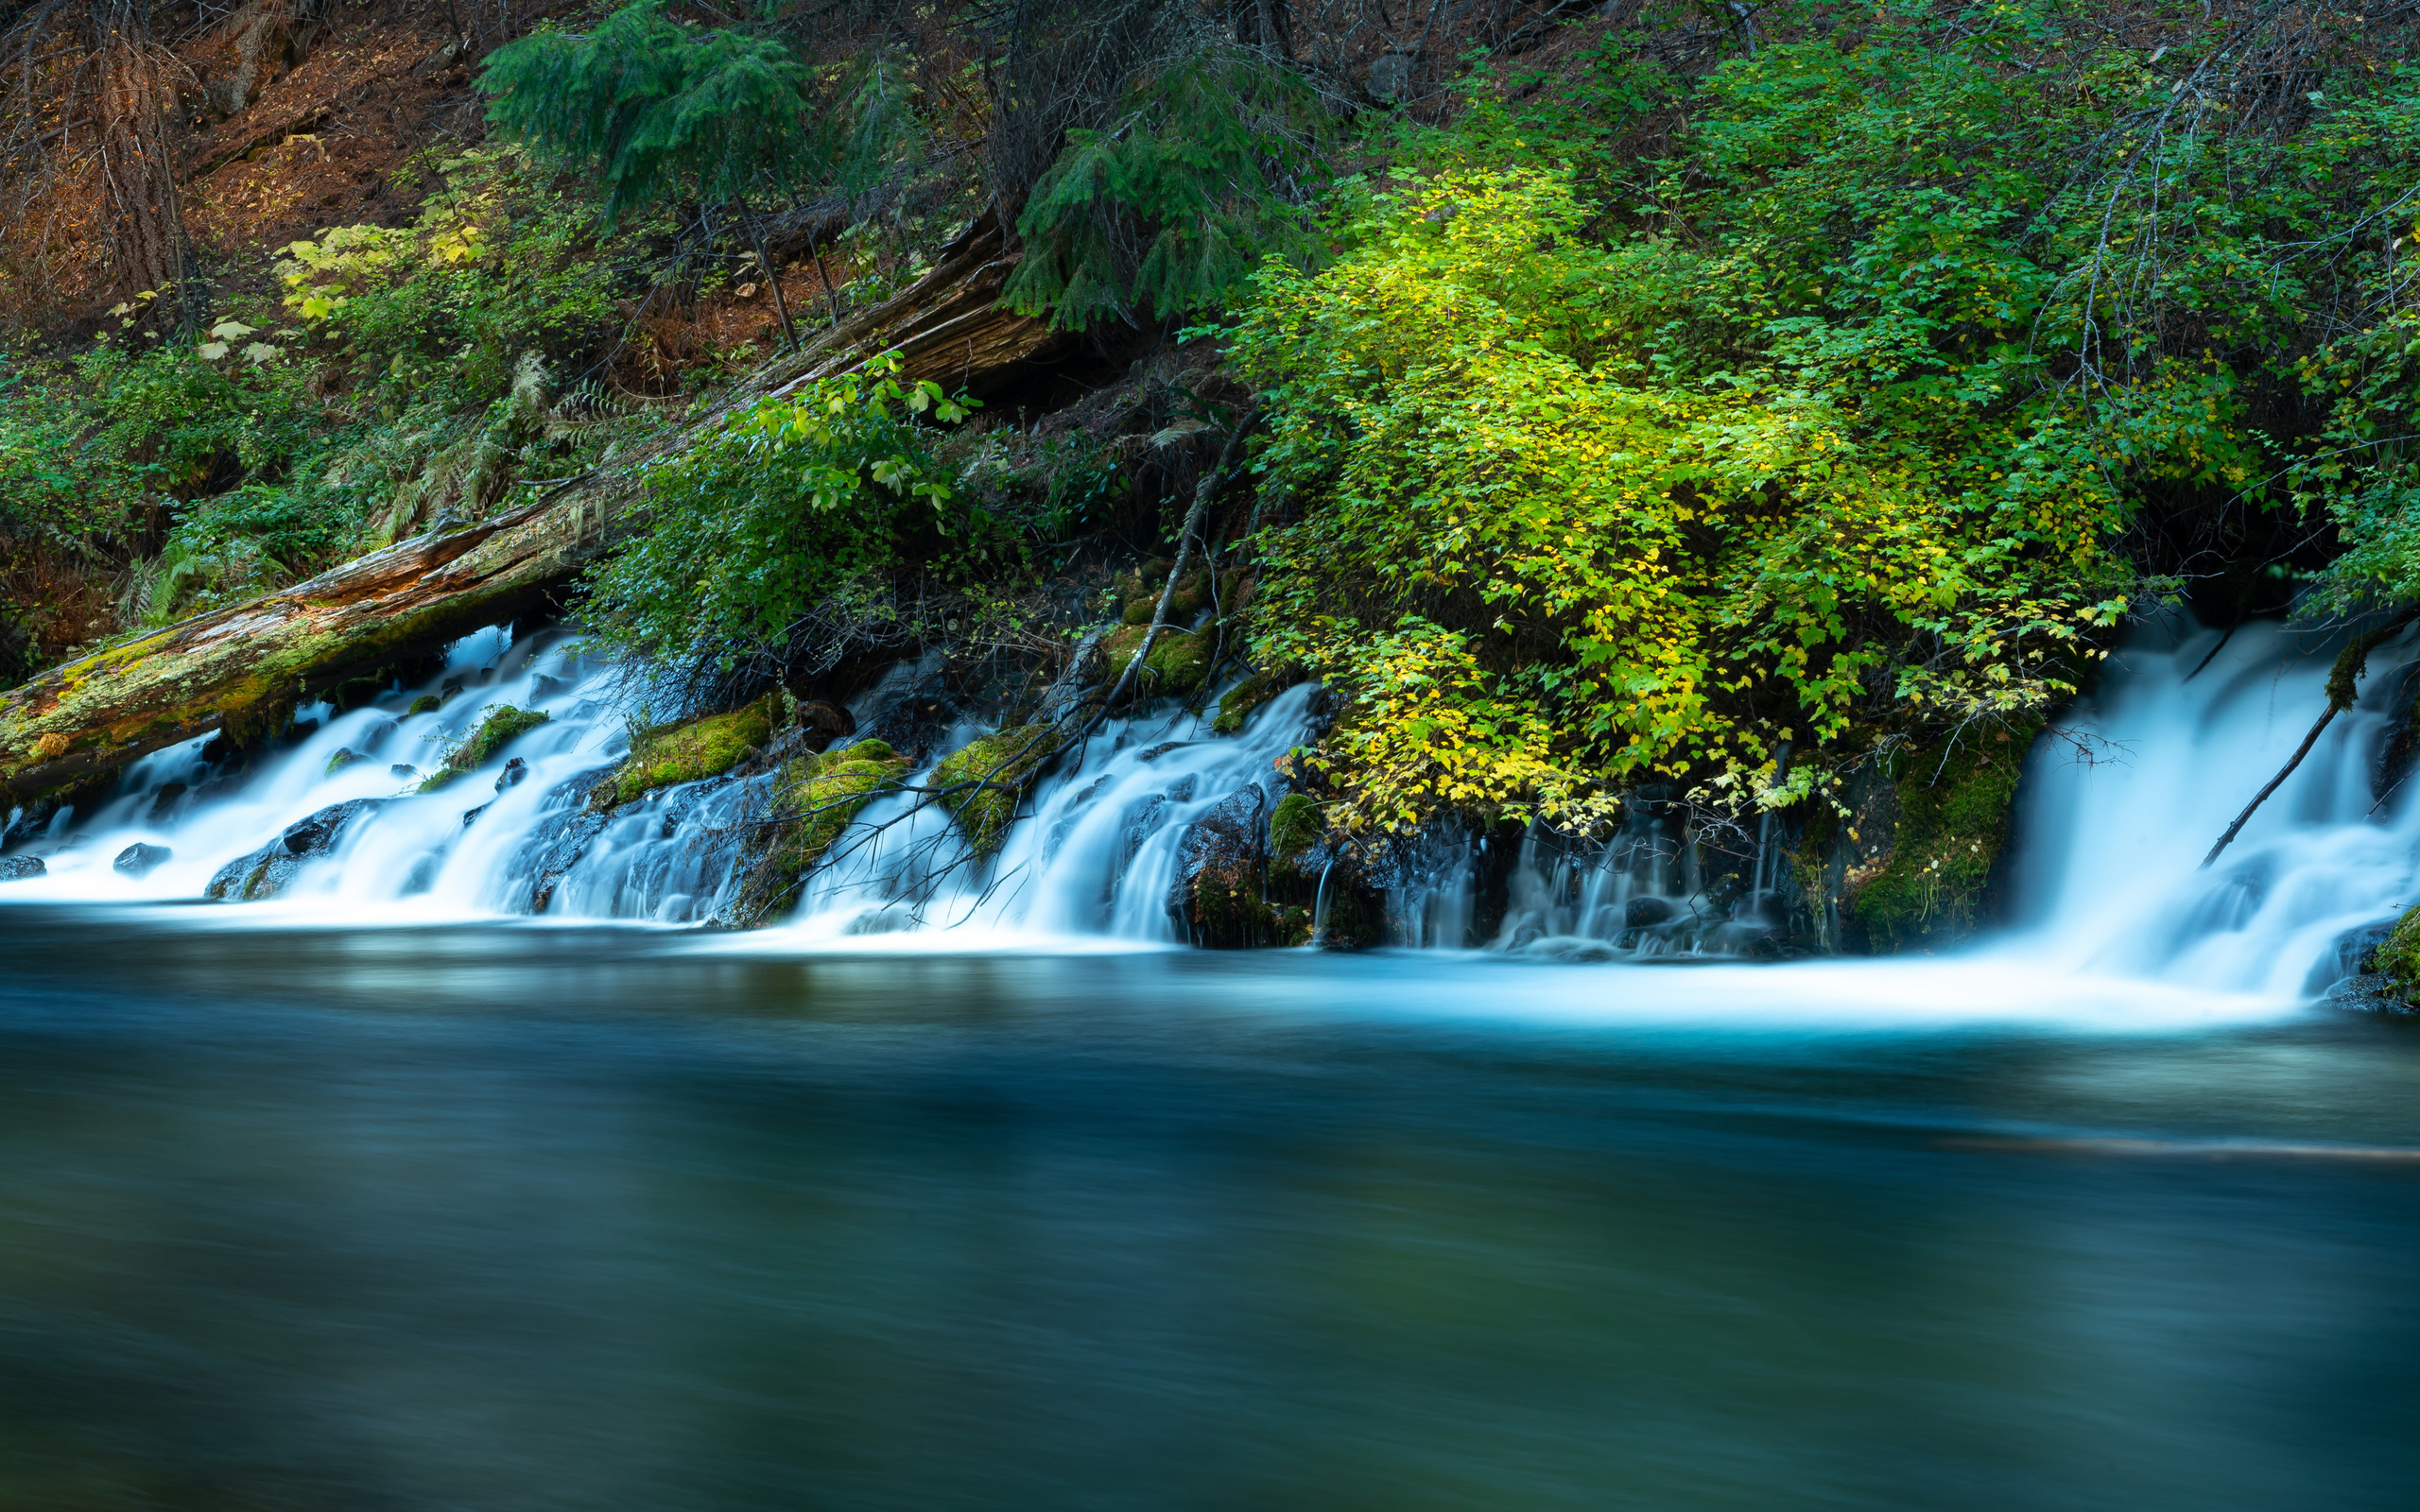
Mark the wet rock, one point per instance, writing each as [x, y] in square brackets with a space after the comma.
[320, 831]
[470, 817]
[271, 869]
[17, 869]
[1646, 913]
[825, 723]
[515, 772]
[404, 769]
[345, 757]
[141, 860]
[557, 845]
[165, 798]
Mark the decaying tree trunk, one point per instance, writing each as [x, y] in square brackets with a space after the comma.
[244, 669]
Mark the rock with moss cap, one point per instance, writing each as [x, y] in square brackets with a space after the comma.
[687, 752]
[1179, 662]
[504, 725]
[1003, 763]
[816, 799]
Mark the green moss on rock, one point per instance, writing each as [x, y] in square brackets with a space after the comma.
[706, 747]
[504, 725]
[1245, 696]
[821, 796]
[1179, 662]
[1004, 760]
[1294, 826]
[1927, 889]
[427, 703]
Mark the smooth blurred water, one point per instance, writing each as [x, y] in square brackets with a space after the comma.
[518, 1217]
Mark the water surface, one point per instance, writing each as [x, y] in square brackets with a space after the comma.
[518, 1217]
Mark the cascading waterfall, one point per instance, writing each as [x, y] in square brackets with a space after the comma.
[1099, 854]
[2118, 810]
[2114, 817]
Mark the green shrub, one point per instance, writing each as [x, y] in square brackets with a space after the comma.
[783, 504]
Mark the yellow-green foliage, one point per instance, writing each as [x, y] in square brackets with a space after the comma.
[708, 746]
[504, 725]
[1540, 569]
[1178, 661]
[1002, 762]
[2398, 957]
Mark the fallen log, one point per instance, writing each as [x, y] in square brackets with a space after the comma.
[244, 669]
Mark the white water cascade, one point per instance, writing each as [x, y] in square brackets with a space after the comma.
[1099, 854]
[2106, 854]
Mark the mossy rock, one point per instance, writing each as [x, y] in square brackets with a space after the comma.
[2397, 959]
[1928, 889]
[501, 728]
[1179, 662]
[1192, 596]
[1240, 700]
[345, 757]
[1295, 826]
[427, 703]
[706, 747]
[822, 796]
[1007, 759]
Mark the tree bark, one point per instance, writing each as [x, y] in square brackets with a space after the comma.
[147, 229]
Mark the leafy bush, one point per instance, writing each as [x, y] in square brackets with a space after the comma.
[781, 504]
[1835, 423]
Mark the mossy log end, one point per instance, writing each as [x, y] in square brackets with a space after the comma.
[243, 669]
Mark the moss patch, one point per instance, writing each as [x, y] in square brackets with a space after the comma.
[703, 747]
[501, 728]
[823, 794]
[1179, 662]
[1247, 695]
[1927, 891]
[1007, 758]
[427, 703]
[1295, 826]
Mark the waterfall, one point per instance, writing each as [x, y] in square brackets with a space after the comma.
[1101, 852]
[2120, 803]
[2114, 830]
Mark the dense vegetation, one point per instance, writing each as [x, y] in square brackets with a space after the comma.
[1708, 400]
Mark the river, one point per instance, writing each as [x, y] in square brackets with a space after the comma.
[529, 1216]
[381, 1197]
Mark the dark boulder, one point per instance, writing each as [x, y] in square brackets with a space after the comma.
[515, 771]
[18, 869]
[320, 831]
[141, 860]
[272, 868]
